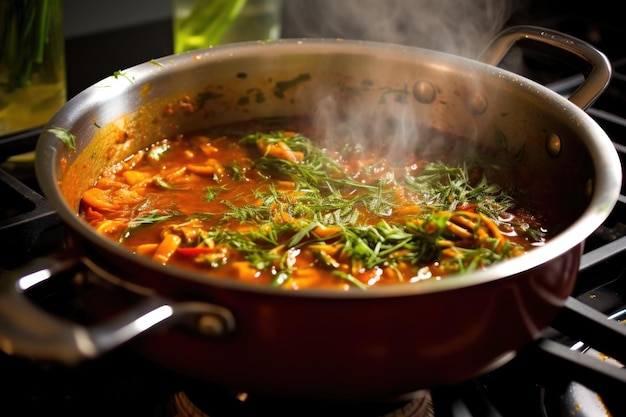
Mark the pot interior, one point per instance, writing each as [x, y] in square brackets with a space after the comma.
[548, 147]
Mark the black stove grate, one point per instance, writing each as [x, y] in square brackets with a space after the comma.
[25, 221]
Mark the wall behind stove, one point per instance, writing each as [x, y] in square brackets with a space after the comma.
[103, 36]
[88, 17]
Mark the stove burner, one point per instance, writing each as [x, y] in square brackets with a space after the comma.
[243, 404]
[580, 400]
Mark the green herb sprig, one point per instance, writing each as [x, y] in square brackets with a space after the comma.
[325, 196]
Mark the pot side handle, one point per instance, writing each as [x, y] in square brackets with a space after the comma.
[28, 330]
[597, 68]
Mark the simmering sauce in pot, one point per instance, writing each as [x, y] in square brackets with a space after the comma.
[277, 206]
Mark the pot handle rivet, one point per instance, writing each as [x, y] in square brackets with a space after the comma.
[553, 145]
[424, 92]
[205, 318]
[477, 103]
[213, 325]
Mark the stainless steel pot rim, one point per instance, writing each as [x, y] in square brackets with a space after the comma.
[605, 194]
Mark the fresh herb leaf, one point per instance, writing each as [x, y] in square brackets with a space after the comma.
[210, 193]
[146, 219]
[156, 152]
[351, 279]
[119, 73]
[164, 184]
[282, 86]
[68, 139]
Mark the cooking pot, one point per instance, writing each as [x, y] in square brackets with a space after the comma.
[380, 343]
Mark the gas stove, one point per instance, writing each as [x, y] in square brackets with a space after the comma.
[573, 370]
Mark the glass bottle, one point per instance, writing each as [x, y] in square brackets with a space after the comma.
[32, 63]
[204, 23]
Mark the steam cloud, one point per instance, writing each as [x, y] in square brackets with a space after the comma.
[460, 27]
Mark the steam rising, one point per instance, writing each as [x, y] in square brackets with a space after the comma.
[458, 27]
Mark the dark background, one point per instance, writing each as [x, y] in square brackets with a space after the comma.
[101, 40]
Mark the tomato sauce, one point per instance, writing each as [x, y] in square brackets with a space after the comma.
[281, 207]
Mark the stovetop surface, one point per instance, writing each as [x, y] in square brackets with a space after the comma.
[122, 383]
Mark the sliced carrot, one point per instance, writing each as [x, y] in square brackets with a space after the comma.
[281, 150]
[464, 221]
[450, 252]
[323, 231]
[167, 248]
[282, 217]
[332, 250]
[134, 177]
[146, 249]
[99, 199]
[245, 271]
[110, 200]
[209, 149]
[286, 185]
[458, 230]
[111, 227]
[210, 167]
[406, 210]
